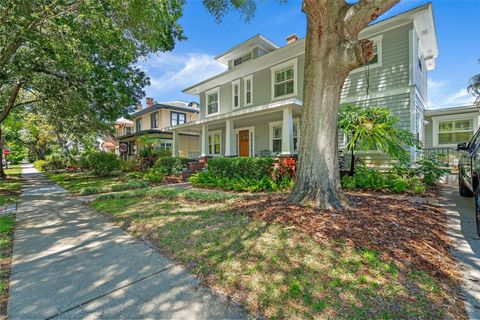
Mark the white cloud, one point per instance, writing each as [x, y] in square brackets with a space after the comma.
[442, 94]
[170, 73]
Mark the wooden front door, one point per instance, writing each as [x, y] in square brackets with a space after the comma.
[244, 143]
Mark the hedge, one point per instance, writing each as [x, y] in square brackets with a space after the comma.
[247, 168]
[171, 165]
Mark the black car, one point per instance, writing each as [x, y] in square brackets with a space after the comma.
[469, 172]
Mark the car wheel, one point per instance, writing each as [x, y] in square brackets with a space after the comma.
[477, 210]
[462, 188]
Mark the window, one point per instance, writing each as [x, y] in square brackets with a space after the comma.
[177, 118]
[214, 141]
[243, 59]
[154, 120]
[213, 98]
[248, 87]
[455, 131]
[236, 94]
[138, 125]
[129, 130]
[284, 79]
[377, 58]
[276, 136]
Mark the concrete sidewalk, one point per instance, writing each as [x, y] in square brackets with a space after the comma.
[466, 244]
[69, 262]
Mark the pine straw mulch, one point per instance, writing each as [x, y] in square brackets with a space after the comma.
[412, 234]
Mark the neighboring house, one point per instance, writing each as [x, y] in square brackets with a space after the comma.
[148, 126]
[254, 108]
[445, 128]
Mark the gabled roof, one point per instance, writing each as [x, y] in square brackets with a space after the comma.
[243, 48]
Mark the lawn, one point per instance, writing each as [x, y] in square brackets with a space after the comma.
[75, 181]
[9, 191]
[10, 188]
[283, 261]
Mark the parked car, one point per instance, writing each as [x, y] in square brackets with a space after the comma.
[469, 172]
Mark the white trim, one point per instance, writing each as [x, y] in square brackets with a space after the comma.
[238, 114]
[436, 120]
[251, 141]
[290, 63]
[212, 133]
[296, 121]
[378, 40]
[209, 92]
[235, 83]
[245, 79]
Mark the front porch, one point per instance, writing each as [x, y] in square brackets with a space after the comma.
[271, 130]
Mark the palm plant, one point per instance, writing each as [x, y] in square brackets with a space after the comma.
[374, 128]
[474, 86]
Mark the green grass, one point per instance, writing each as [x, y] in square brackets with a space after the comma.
[10, 188]
[76, 181]
[278, 271]
[7, 224]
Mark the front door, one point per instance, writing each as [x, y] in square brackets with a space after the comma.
[244, 143]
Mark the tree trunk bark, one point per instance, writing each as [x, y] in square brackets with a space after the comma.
[352, 164]
[318, 175]
[3, 176]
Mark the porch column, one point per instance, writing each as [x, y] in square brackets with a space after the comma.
[176, 144]
[204, 141]
[229, 139]
[287, 131]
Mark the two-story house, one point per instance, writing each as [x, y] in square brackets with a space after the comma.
[148, 127]
[254, 108]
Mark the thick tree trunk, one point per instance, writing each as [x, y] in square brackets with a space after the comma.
[318, 175]
[3, 176]
[332, 50]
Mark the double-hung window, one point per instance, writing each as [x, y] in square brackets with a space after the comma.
[214, 141]
[284, 79]
[276, 136]
[177, 118]
[248, 87]
[213, 101]
[138, 125]
[154, 120]
[451, 132]
[128, 130]
[236, 94]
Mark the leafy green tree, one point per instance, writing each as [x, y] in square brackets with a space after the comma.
[374, 128]
[76, 59]
[474, 86]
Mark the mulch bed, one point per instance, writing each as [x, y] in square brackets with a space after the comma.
[407, 232]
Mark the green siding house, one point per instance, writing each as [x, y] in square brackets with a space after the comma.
[254, 108]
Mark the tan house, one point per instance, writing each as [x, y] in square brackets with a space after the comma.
[148, 125]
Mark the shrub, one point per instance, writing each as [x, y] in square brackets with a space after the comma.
[40, 165]
[248, 168]
[84, 161]
[128, 165]
[55, 162]
[430, 170]
[397, 184]
[134, 175]
[171, 165]
[103, 163]
[90, 190]
[132, 184]
[154, 175]
[348, 182]
[205, 179]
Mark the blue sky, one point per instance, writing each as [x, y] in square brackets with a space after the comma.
[457, 24]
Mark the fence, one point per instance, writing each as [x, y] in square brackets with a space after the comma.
[448, 156]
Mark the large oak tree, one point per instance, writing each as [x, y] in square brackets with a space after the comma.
[332, 50]
[75, 59]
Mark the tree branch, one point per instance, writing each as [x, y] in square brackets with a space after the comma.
[11, 100]
[361, 14]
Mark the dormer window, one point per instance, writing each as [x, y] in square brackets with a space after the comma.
[243, 59]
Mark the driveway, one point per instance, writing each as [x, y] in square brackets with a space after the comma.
[466, 244]
[69, 262]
